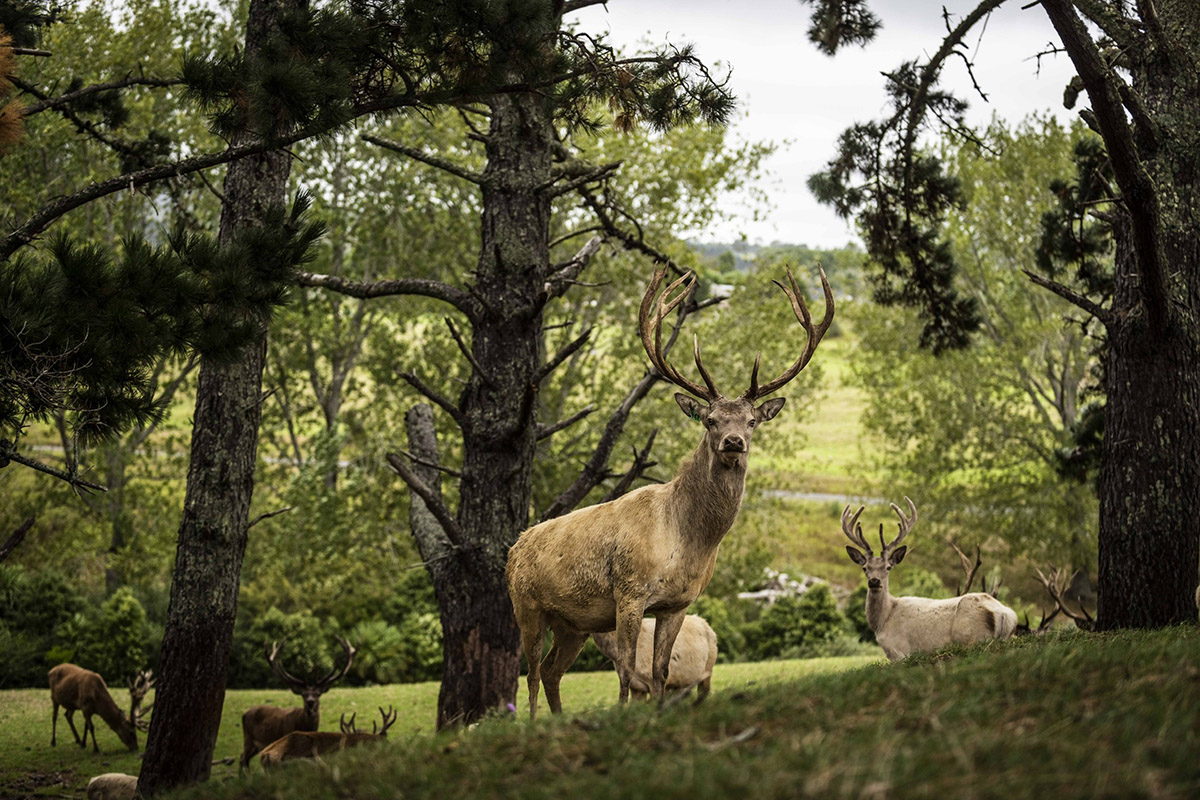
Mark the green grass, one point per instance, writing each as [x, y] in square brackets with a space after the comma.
[1067, 716]
[30, 767]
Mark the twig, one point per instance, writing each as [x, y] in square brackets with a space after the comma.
[745, 735]
[433, 500]
[17, 537]
[466, 351]
[267, 515]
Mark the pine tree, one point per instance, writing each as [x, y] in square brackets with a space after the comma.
[1137, 66]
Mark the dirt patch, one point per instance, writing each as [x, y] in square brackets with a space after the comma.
[40, 784]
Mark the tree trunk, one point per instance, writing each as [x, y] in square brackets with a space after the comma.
[481, 643]
[212, 535]
[1150, 474]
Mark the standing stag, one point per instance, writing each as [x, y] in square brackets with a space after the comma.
[905, 625]
[604, 567]
[78, 689]
[262, 725]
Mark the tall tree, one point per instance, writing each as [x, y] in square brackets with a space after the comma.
[527, 167]
[1138, 66]
[194, 660]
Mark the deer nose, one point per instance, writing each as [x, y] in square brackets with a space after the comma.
[733, 443]
[874, 583]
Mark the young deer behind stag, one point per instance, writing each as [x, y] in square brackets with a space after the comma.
[310, 744]
[651, 551]
[78, 689]
[906, 625]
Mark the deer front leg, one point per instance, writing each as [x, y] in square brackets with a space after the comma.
[629, 627]
[666, 628]
[54, 726]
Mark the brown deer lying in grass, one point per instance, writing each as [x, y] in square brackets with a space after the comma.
[78, 689]
[310, 744]
[692, 657]
[906, 625]
[262, 725]
[653, 550]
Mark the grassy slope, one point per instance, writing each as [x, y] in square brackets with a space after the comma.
[1076, 715]
[29, 767]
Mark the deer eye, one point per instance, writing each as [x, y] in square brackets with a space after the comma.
[753, 423]
[709, 422]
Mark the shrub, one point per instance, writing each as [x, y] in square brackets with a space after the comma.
[796, 622]
[307, 651]
[731, 641]
[111, 641]
[381, 652]
[421, 640]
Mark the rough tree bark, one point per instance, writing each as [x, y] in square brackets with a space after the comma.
[1149, 538]
[212, 535]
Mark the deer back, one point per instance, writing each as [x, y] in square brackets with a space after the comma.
[262, 725]
[309, 744]
[74, 687]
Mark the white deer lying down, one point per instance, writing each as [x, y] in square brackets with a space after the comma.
[905, 625]
[692, 657]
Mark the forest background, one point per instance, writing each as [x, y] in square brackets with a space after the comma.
[982, 439]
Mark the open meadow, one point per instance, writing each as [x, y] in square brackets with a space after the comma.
[1065, 715]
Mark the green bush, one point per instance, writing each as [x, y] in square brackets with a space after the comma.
[111, 641]
[33, 605]
[731, 641]
[796, 622]
[856, 614]
[381, 651]
[421, 640]
[308, 651]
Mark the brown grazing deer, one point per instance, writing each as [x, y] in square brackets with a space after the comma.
[262, 725]
[652, 551]
[906, 625]
[78, 689]
[310, 744]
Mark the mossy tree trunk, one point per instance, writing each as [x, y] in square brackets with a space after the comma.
[212, 535]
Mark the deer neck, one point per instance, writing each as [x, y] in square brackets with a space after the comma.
[110, 712]
[879, 607]
[708, 494]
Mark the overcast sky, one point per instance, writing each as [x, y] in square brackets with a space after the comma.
[791, 93]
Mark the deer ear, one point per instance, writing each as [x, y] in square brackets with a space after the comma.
[898, 554]
[690, 405]
[769, 409]
[856, 557]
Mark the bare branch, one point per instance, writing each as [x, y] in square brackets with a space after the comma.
[590, 176]
[546, 431]
[575, 5]
[267, 515]
[433, 500]
[562, 355]
[9, 453]
[563, 275]
[401, 286]
[450, 408]
[641, 463]
[413, 457]
[425, 158]
[1105, 315]
[15, 539]
[29, 51]
[466, 351]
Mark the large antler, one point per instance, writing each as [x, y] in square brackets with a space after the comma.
[336, 674]
[139, 686]
[815, 334]
[906, 525]
[650, 329]
[389, 717]
[1054, 588]
[853, 530]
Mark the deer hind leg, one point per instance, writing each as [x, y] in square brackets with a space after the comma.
[533, 631]
[54, 727]
[702, 689]
[69, 713]
[566, 649]
[666, 628]
[89, 725]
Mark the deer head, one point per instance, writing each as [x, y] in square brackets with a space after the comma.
[728, 423]
[877, 567]
[389, 717]
[310, 690]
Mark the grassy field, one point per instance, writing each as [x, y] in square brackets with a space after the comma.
[1070, 715]
[29, 767]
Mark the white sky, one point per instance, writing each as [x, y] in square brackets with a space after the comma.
[789, 92]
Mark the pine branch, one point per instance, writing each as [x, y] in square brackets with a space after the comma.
[575, 5]
[114, 143]
[591, 176]
[70, 97]
[413, 457]
[425, 158]
[546, 431]
[1142, 201]
[389, 288]
[9, 453]
[30, 51]
[630, 241]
